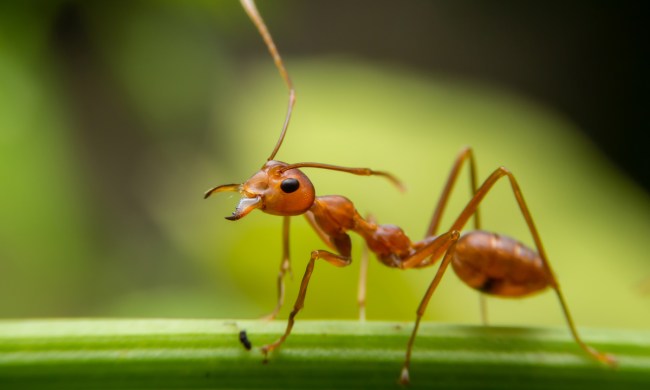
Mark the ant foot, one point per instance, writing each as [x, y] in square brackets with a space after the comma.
[608, 359]
[269, 317]
[404, 378]
[265, 351]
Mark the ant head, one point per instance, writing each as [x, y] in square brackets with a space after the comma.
[274, 190]
[279, 188]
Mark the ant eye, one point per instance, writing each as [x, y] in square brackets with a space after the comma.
[289, 185]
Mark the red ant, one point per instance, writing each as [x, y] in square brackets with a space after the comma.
[490, 263]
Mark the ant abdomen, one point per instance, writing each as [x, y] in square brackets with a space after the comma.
[499, 265]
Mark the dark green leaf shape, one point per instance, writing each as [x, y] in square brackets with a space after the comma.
[207, 354]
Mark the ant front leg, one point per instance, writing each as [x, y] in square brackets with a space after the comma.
[332, 258]
[363, 275]
[285, 266]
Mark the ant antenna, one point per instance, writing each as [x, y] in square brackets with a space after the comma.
[355, 171]
[253, 13]
[251, 10]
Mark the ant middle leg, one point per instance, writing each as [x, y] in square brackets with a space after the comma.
[404, 376]
[363, 280]
[426, 256]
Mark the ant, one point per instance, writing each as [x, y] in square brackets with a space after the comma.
[490, 263]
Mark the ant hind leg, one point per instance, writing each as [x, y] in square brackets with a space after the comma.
[552, 280]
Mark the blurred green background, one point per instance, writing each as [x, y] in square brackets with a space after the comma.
[115, 117]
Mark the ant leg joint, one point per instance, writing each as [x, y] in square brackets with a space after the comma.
[504, 169]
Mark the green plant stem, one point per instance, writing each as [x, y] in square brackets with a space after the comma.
[107, 353]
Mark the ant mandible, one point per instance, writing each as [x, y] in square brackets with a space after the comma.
[490, 263]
